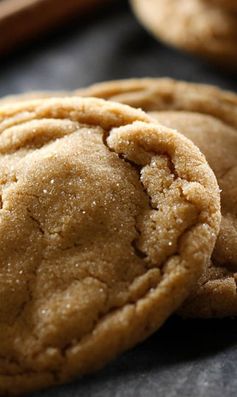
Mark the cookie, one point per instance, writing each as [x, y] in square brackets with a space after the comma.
[208, 116]
[22, 21]
[219, 144]
[194, 25]
[107, 222]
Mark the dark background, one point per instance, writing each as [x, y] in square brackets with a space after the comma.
[186, 358]
[110, 44]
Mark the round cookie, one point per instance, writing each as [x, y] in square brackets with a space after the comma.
[194, 25]
[208, 116]
[107, 221]
[153, 94]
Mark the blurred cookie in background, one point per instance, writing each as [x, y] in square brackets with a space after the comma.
[23, 20]
[197, 26]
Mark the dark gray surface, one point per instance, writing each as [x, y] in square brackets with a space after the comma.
[185, 358]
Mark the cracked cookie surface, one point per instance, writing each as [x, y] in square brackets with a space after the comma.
[197, 26]
[107, 221]
[208, 116]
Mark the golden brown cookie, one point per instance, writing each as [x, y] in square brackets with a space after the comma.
[194, 25]
[154, 94]
[107, 221]
[217, 293]
[208, 116]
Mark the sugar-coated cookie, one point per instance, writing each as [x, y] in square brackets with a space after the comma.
[208, 116]
[107, 221]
